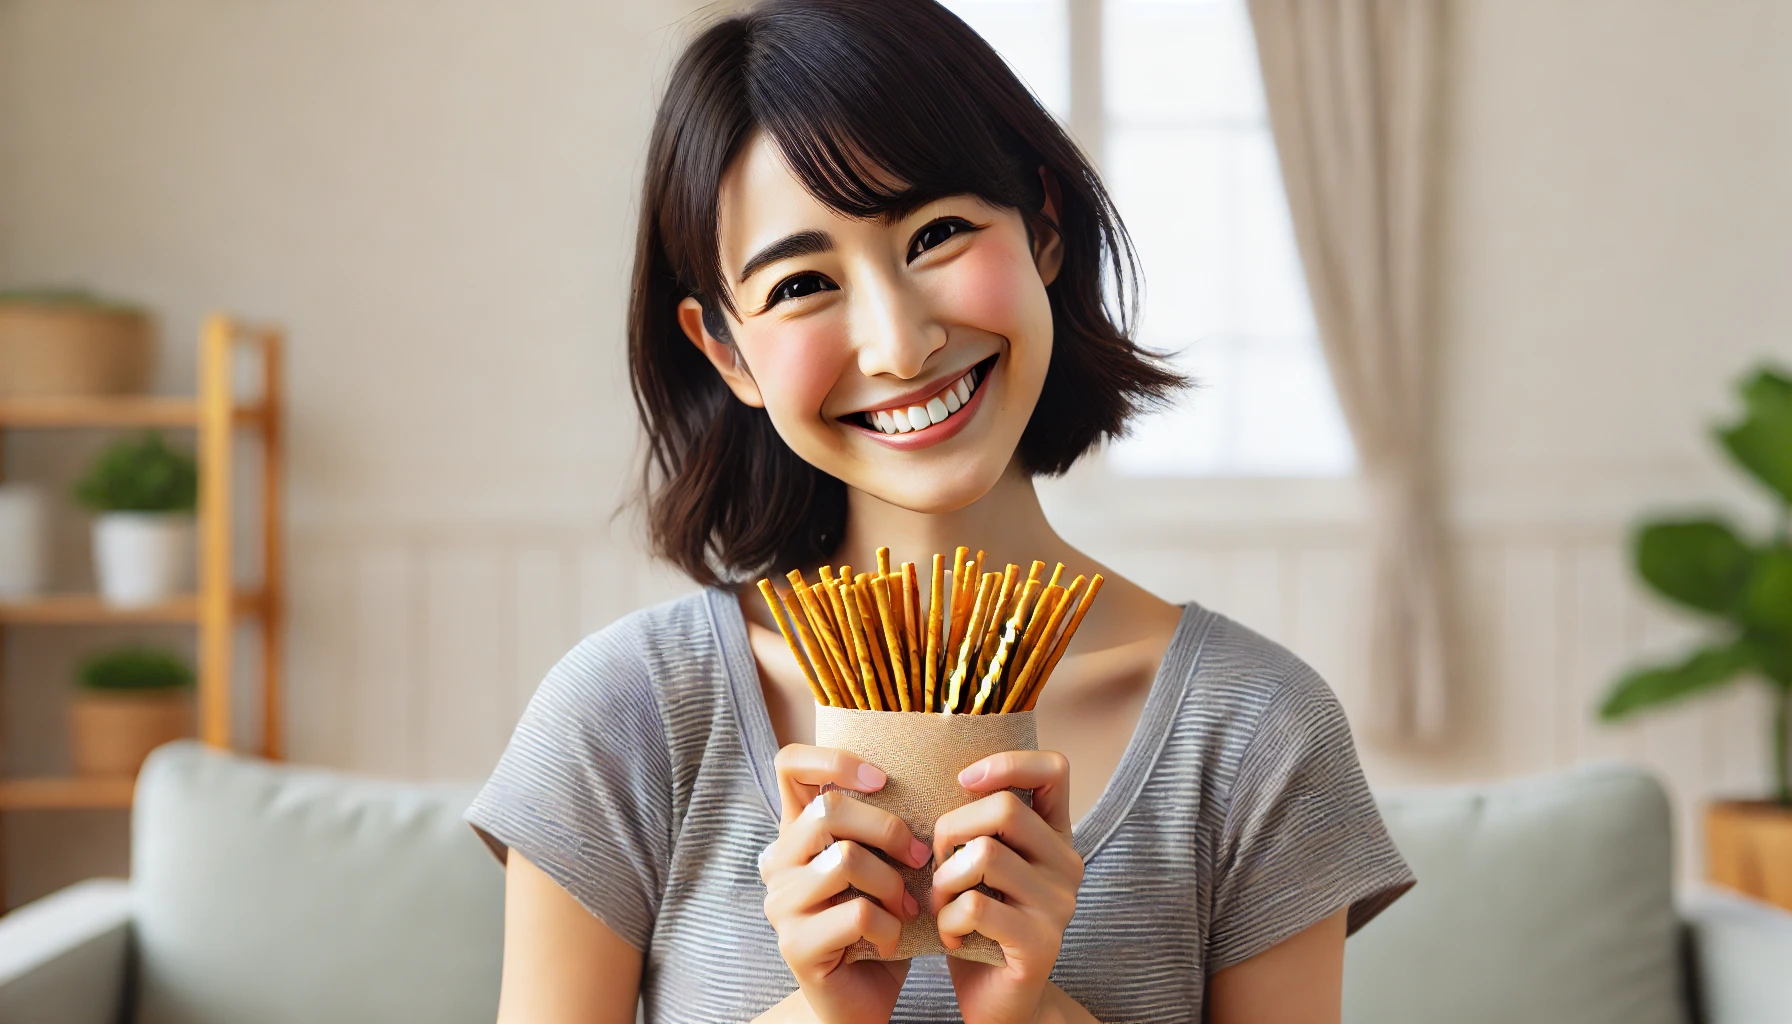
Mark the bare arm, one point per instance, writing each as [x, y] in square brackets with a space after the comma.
[1299, 980]
[561, 964]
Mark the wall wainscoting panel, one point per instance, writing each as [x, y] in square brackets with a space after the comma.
[414, 655]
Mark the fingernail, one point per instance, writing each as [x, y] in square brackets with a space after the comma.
[918, 853]
[973, 775]
[829, 858]
[910, 906]
[870, 777]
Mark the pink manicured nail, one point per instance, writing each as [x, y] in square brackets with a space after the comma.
[870, 777]
[918, 853]
[973, 775]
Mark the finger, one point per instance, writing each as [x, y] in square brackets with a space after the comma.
[980, 912]
[804, 769]
[1004, 816]
[986, 861]
[821, 937]
[1045, 772]
[836, 815]
[804, 889]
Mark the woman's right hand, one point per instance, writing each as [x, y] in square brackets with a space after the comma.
[824, 845]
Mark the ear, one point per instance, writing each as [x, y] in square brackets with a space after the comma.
[1048, 244]
[723, 356]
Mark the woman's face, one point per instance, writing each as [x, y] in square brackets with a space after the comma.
[902, 357]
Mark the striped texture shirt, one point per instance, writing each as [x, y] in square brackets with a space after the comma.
[640, 779]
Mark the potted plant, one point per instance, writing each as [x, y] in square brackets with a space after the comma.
[130, 701]
[143, 492]
[1744, 586]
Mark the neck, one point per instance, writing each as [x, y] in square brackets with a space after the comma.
[1007, 523]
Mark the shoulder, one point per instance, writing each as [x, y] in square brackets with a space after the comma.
[1253, 697]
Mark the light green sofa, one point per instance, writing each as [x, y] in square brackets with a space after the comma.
[263, 894]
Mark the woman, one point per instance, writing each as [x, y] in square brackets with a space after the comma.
[851, 208]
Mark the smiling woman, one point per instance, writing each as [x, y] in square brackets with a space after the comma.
[868, 311]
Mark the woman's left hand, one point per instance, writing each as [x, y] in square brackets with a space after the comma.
[1025, 854]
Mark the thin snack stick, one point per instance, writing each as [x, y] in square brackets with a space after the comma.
[897, 615]
[1041, 653]
[1057, 574]
[854, 627]
[880, 589]
[825, 602]
[1034, 570]
[867, 604]
[963, 593]
[973, 638]
[936, 598]
[956, 682]
[883, 561]
[992, 679]
[1036, 626]
[911, 631]
[824, 632]
[993, 632]
[777, 608]
[1064, 641]
[824, 671]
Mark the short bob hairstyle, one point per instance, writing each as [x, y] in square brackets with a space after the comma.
[856, 94]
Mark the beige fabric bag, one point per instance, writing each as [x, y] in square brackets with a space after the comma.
[922, 754]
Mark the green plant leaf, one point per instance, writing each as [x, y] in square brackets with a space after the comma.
[1762, 442]
[136, 668]
[141, 473]
[1767, 388]
[1767, 604]
[1651, 686]
[1706, 669]
[1700, 563]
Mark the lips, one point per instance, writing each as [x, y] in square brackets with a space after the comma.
[936, 408]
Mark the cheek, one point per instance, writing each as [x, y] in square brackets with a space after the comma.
[796, 366]
[995, 290]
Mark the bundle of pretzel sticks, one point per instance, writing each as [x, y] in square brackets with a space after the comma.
[987, 645]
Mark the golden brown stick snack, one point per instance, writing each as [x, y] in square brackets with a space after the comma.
[1036, 626]
[799, 620]
[993, 631]
[880, 590]
[911, 630]
[767, 591]
[823, 630]
[1064, 641]
[866, 606]
[963, 589]
[955, 684]
[849, 614]
[936, 599]
[1042, 649]
[883, 561]
[989, 689]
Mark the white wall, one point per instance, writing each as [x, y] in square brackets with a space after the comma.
[436, 199]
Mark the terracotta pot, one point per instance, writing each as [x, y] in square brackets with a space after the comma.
[54, 350]
[111, 733]
[1748, 848]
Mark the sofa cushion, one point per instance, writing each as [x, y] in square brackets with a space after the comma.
[1545, 899]
[269, 893]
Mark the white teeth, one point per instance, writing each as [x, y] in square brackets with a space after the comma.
[917, 417]
[936, 411]
[963, 389]
[951, 400]
[882, 420]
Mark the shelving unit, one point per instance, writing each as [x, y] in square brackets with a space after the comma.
[220, 604]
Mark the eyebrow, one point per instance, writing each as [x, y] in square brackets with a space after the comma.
[803, 243]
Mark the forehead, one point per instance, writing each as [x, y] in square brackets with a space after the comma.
[760, 200]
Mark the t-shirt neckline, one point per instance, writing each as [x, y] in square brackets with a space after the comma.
[1168, 687]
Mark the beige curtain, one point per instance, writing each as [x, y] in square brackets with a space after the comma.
[1352, 87]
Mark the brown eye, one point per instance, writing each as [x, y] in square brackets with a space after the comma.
[799, 286]
[936, 234]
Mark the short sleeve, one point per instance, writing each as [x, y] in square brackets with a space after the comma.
[1302, 837]
[584, 788]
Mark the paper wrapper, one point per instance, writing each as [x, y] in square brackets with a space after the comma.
[922, 754]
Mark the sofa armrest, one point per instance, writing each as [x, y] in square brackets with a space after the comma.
[63, 957]
[1741, 948]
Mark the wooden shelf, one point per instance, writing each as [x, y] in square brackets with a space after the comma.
[73, 609]
[65, 792]
[112, 411]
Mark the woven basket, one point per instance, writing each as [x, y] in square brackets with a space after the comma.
[57, 351]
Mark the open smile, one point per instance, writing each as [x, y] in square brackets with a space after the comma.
[919, 424]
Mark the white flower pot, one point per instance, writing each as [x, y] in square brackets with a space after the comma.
[23, 542]
[143, 557]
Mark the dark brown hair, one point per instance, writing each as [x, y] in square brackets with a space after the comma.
[856, 94]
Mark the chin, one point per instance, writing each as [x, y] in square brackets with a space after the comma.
[938, 492]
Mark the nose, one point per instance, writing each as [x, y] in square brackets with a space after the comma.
[892, 327]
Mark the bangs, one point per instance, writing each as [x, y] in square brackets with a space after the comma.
[919, 118]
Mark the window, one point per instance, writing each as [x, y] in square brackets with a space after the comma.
[1186, 150]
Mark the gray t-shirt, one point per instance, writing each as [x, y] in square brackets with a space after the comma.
[640, 779]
